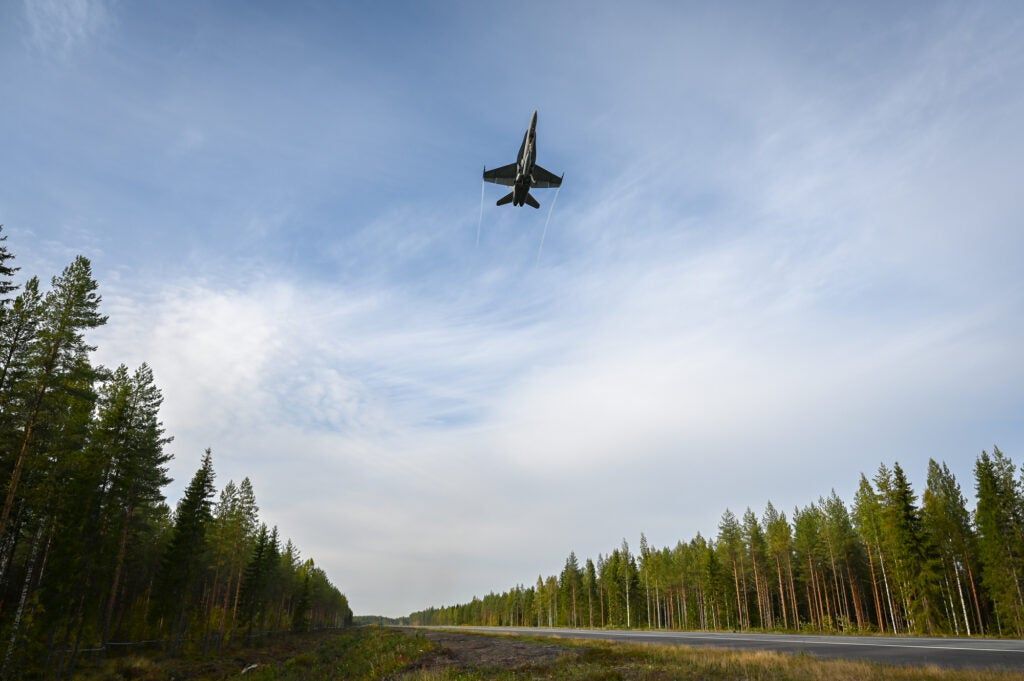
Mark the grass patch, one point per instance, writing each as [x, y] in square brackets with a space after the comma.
[606, 661]
[359, 654]
[380, 654]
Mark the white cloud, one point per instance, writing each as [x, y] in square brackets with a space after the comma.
[715, 364]
[60, 27]
[772, 266]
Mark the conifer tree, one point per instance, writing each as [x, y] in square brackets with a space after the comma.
[571, 589]
[260, 579]
[234, 530]
[947, 522]
[590, 588]
[1000, 521]
[17, 338]
[59, 362]
[914, 558]
[184, 561]
[129, 441]
[808, 556]
[538, 602]
[843, 553]
[730, 543]
[756, 548]
[779, 540]
[6, 272]
[867, 513]
[300, 615]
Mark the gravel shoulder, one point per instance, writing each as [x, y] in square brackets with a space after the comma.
[481, 651]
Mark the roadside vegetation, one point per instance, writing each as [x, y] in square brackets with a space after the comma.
[372, 653]
[892, 562]
[93, 561]
[354, 654]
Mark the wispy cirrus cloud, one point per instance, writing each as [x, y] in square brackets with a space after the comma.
[60, 27]
[785, 251]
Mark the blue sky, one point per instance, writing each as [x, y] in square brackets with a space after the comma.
[788, 248]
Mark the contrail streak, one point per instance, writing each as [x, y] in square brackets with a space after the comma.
[545, 232]
[480, 220]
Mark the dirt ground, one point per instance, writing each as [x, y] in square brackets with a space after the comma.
[476, 651]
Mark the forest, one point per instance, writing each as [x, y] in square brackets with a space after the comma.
[92, 558]
[892, 563]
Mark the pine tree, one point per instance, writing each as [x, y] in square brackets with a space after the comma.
[570, 591]
[915, 558]
[538, 602]
[947, 522]
[1000, 521]
[756, 548]
[590, 587]
[628, 578]
[843, 554]
[129, 441]
[234, 537]
[17, 339]
[185, 559]
[300, 615]
[809, 554]
[779, 539]
[867, 511]
[59, 361]
[6, 272]
[730, 544]
[260, 579]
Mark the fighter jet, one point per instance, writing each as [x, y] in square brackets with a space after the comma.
[524, 174]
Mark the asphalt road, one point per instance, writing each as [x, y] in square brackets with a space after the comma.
[942, 652]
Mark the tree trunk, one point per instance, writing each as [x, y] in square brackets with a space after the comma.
[16, 626]
[888, 593]
[19, 464]
[782, 592]
[879, 612]
[858, 605]
[963, 605]
[792, 591]
[736, 580]
[977, 604]
[121, 551]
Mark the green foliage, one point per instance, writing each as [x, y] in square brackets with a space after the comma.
[182, 571]
[885, 565]
[7, 285]
[361, 653]
[1000, 523]
[89, 550]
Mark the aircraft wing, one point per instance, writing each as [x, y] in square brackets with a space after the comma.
[505, 175]
[543, 179]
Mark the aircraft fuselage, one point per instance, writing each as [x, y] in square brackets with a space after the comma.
[524, 174]
[524, 164]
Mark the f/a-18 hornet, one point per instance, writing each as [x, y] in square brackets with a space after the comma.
[524, 174]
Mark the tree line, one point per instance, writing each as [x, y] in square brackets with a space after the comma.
[91, 555]
[890, 563]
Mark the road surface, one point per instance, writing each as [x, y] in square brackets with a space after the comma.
[942, 652]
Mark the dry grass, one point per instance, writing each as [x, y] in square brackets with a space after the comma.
[603, 661]
[375, 654]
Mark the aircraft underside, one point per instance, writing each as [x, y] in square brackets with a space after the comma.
[524, 174]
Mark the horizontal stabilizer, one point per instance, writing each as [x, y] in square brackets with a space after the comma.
[505, 199]
[532, 201]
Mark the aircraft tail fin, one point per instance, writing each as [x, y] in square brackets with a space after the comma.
[532, 201]
[505, 199]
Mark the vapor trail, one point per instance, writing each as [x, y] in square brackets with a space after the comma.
[480, 220]
[545, 232]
